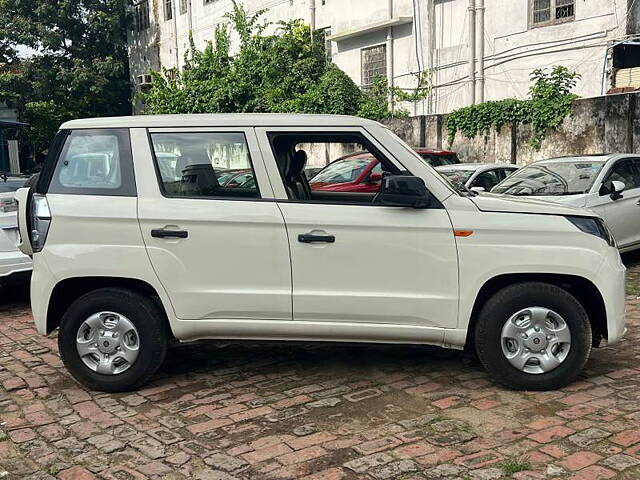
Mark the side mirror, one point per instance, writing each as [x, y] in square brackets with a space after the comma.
[477, 189]
[374, 178]
[403, 191]
[613, 188]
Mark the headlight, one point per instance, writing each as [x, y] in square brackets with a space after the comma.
[594, 226]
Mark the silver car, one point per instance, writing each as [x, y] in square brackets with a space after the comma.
[13, 262]
[480, 177]
[607, 184]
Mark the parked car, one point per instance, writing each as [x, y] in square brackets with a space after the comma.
[124, 263]
[481, 177]
[609, 185]
[362, 172]
[14, 265]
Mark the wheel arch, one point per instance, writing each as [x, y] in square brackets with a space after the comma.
[581, 288]
[69, 290]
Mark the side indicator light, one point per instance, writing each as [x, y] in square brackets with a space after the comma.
[462, 233]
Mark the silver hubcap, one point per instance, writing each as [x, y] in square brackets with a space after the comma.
[536, 340]
[108, 343]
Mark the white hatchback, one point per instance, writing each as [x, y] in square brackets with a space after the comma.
[138, 237]
[607, 184]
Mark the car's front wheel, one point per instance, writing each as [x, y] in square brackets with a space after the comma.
[533, 336]
[112, 339]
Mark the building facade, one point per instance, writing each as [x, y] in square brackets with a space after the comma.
[474, 50]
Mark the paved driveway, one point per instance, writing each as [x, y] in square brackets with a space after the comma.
[264, 411]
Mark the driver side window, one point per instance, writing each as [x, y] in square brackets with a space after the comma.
[625, 171]
[352, 173]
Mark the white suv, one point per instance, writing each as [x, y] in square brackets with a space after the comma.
[152, 228]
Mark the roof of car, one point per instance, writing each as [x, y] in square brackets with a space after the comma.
[474, 166]
[581, 158]
[218, 119]
[435, 151]
[418, 150]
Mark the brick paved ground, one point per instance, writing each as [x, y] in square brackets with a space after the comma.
[258, 411]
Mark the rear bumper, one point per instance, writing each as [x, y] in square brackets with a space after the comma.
[14, 262]
[610, 280]
[42, 283]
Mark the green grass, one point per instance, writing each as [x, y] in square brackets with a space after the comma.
[512, 465]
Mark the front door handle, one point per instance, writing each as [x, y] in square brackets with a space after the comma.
[311, 238]
[165, 233]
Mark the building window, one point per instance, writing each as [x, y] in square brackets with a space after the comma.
[374, 63]
[550, 12]
[207, 2]
[183, 7]
[141, 16]
[168, 9]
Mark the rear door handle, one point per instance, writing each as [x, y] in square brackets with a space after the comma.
[310, 238]
[164, 233]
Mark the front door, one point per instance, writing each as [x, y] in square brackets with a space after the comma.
[622, 215]
[353, 262]
[218, 248]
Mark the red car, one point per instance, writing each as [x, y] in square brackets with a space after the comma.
[361, 171]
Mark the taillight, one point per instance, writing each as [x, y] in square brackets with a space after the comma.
[8, 204]
[40, 221]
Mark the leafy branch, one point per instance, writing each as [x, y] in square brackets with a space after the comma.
[550, 102]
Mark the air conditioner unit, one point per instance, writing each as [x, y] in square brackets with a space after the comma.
[144, 81]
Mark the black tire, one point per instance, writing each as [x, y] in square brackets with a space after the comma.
[506, 302]
[148, 319]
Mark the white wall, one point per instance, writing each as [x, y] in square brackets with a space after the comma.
[512, 48]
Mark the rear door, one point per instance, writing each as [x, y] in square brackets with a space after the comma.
[221, 252]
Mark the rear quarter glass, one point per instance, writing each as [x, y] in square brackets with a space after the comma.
[89, 162]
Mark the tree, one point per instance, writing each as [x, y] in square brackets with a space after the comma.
[284, 72]
[79, 67]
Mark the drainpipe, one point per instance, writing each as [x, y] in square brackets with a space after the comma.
[431, 25]
[189, 18]
[174, 7]
[472, 51]
[312, 11]
[390, 72]
[480, 17]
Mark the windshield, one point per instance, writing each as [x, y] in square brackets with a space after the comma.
[342, 171]
[552, 178]
[457, 177]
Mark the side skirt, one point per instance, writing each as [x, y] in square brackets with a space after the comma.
[190, 330]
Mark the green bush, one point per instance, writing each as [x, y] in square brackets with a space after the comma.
[285, 72]
[549, 103]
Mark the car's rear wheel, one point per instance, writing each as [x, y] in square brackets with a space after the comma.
[533, 336]
[112, 339]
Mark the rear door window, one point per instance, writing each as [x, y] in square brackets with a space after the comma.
[204, 164]
[95, 162]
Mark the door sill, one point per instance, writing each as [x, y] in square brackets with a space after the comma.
[190, 330]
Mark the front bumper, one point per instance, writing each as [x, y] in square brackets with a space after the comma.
[610, 281]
